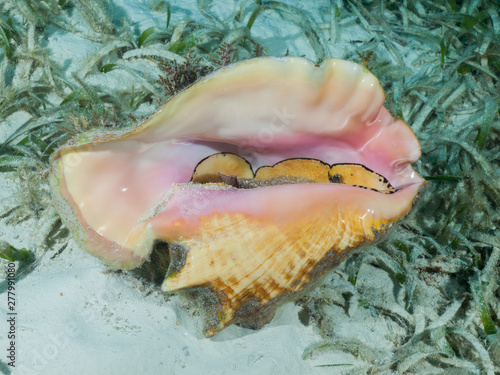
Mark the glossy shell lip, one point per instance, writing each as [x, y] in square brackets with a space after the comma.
[118, 193]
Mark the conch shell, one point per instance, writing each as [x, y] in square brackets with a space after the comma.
[259, 177]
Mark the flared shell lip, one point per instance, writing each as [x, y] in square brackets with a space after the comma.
[97, 137]
[82, 232]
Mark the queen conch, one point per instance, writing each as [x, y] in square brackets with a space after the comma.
[260, 177]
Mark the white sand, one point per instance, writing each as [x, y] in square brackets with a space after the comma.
[76, 317]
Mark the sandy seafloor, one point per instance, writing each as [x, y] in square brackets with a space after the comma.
[77, 317]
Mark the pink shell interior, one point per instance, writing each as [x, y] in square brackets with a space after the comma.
[265, 110]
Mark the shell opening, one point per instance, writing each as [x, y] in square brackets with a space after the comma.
[228, 169]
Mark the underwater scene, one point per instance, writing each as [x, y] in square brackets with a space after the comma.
[249, 187]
